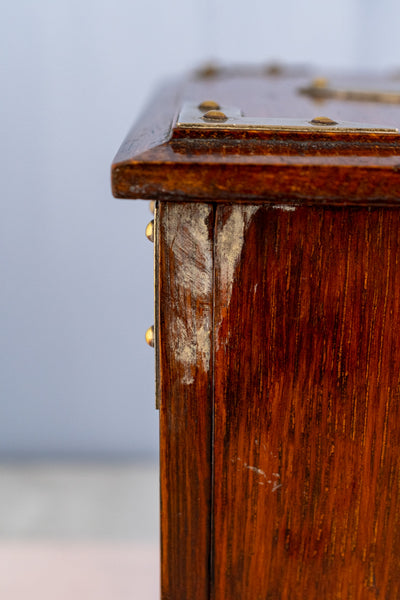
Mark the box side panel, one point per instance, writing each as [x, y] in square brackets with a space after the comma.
[184, 346]
[307, 404]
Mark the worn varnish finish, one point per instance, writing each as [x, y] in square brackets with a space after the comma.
[307, 404]
[184, 348]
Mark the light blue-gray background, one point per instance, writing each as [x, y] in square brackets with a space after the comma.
[76, 378]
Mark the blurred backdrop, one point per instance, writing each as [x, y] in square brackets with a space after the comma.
[76, 377]
[78, 428]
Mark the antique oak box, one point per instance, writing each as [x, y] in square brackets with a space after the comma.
[277, 321]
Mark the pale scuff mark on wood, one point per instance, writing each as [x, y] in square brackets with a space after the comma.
[185, 350]
[188, 238]
[230, 238]
[285, 207]
[274, 481]
[230, 242]
[255, 470]
[192, 345]
[204, 342]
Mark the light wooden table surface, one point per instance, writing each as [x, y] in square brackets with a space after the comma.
[72, 532]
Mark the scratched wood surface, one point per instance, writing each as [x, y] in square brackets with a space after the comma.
[184, 347]
[157, 160]
[307, 404]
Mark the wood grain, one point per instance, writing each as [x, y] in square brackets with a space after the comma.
[158, 160]
[152, 129]
[307, 404]
[184, 347]
[277, 341]
[315, 183]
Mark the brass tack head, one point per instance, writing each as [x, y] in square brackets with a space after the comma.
[320, 82]
[152, 205]
[150, 336]
[274, 69]
[323, 121]
[208, 70]
[150, 231]
[215, 115]
[209, 105]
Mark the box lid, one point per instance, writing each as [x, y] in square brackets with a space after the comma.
[254, 134]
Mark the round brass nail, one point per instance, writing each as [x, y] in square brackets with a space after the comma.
[274, 69]
[323, 121]
[320, 82]
[152, 206]
[209, 105]
[215, 115]
[150, 336]
[150, 231]
[210, 69]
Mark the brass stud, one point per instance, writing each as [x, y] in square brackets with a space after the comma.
[215, 115]
[320, 82]
[209, 105]
[323, 121]
[150, 231]
[152, 206]
[274, 69]
[208, 70]
[150, 336]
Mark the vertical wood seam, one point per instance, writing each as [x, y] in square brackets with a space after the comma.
[213, 292]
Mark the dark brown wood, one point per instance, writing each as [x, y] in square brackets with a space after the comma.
[184, 236]
[307, 404]
[158, 160]
[277, 340]
[154, 126]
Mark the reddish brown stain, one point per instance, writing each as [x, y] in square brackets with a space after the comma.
[307, 392]
[279, 368]
[261, 166]
[185, 389]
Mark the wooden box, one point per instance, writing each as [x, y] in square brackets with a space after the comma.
[277, 265]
